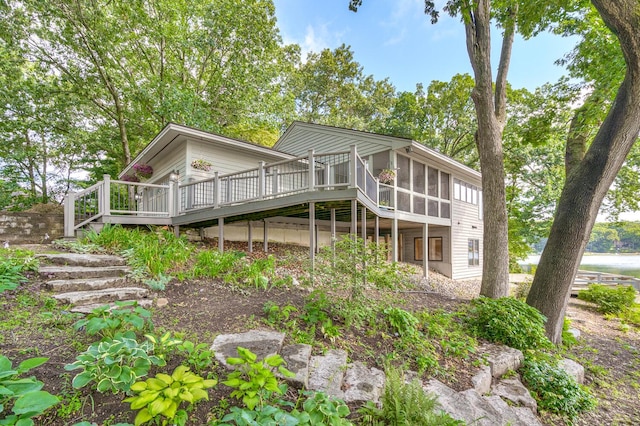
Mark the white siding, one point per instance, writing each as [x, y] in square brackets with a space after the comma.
[302, 138]
[465, 225]
[172, 160]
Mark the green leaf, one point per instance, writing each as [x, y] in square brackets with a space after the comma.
[81, 380]
[34, 403]
[30, 363]
[143, 416]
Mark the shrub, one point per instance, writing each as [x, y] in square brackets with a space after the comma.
[508, 321]
[160, 397]
[22, 394]
[610, 300]
[555, 390]
[14, 264]
[404, 403]
[402, 322]
[113, 364]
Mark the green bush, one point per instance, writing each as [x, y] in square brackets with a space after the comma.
[23, 395]
[214, 264]
[107, 322]
[404, 403]
[14, 264]
[508, 321]
[610, 300]
[555, 390]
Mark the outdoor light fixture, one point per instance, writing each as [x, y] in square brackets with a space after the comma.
[409, 149]
[174, 176]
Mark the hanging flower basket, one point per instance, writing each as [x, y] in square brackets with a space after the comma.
[130, 178]
[387, 176]
[201, 164]
[143, 171]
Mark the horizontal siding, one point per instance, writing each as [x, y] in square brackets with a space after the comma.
[464, 218]
[223, 160]
[301, 140]
[173, 160]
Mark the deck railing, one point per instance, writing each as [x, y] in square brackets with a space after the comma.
[311, 172]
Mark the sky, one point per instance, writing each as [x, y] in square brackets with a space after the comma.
[395, 39]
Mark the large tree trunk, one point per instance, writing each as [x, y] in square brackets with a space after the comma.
[590, 180]
[490, 111]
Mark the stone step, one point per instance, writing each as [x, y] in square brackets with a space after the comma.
[102, 296]
[261, 342]
[77, 259]
[297, 358]
[362, 384]
[58, 272]
[327, 372]
[83, 284]
[87, 309]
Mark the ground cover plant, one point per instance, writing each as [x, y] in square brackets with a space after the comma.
[386, 326]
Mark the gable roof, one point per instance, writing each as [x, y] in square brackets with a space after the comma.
[173, 132]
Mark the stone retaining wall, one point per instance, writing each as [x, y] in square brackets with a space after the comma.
[30, 228]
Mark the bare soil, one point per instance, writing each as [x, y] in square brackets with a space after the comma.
[200, 310]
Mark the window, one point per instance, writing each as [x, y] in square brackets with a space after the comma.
[418, 177]
[444, 185]
[474, 252]
[404, 174]
[435, 249]
[445, 210]
[417, 249]
[464, 192]
[418, 205]
[432, 207]
[433, 182]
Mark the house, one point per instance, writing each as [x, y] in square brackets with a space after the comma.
[316, 183]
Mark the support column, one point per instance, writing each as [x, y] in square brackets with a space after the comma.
[265, 240]
[394, 240]
[425, 247]
[312, 233]
[250, 236]
[376, 236]
[354, 218]
[364, 224]
[333, 237]
[221, 234]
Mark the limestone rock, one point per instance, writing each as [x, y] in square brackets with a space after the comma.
[161, 302]
[327, 372]
[101, 296]
[514, 391]
[260, 342]
[362, 383]
[297, 358]
[502, 359]
[574, 369]
[482, 380]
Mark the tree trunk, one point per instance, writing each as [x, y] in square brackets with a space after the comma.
[490, 113]
[590, 180]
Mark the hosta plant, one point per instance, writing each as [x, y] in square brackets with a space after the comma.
[22, 396]
[108, 322]
[114, 364]
[254, 381]
[159, 398]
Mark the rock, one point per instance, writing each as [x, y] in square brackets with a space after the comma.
[362, 383]
[327, 372]
[297, 359]
[83, 284]
[161, 302]
[502, 359]
[79, 259]
[101, 296]
[514, 391]
[482, 380]
[572, 368]
[87, 309]
[260, 342]
[526, 416]
[575, 332]
[75, 272]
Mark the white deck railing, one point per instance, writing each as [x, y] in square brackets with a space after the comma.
[311, 172]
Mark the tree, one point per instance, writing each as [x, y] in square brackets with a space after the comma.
[589, 179]
[490, 106]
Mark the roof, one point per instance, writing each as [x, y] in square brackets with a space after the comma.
[176, 132]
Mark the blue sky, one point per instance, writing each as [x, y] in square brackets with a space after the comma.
[395, 39]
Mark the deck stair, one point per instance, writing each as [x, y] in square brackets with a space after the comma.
[88, 281]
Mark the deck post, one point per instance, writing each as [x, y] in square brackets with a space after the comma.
[312, 171]
[274, 181]
[394, 240]
[376, 232]
[333, 237]
[425, 248]
[69, 215]
[173, 196]
[354, 218]
[312, 233]
[106, 193]
[221, 235]
[250, 236]
[265, 238]
[353, 169]
[364, 225]
[261, 180]
[216, 191]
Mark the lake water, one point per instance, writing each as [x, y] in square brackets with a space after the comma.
[623, 264]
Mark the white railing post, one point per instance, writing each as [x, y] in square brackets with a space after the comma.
[353, 169]
[364, 176]
[69, 216]
[261, 180]
[173, 197]
[312, 171]
[274, 181]
[217, 186]
[106, 196]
